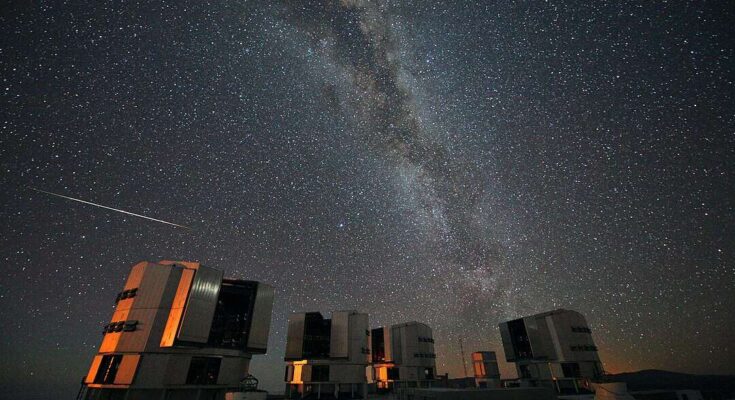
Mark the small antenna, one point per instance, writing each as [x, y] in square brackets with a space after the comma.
[464, 365]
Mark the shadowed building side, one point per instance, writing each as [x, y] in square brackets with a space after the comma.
[485, 367]
[328, 357]
[403, 356]
[553, 349]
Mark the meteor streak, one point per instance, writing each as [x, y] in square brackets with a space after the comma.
[109, 208]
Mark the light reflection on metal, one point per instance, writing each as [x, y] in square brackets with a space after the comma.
[93, 369]
[298, 368]
[177, 308]
[126, 371]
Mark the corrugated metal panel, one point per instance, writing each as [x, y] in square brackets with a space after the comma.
[295, 341]
[339, 346]
[200, 305]
[260, 322]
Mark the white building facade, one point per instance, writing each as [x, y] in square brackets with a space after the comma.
[328, 356]
[552, 349]
[403, 356]
[180, 331]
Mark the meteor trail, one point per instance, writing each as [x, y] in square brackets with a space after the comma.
[109, 208]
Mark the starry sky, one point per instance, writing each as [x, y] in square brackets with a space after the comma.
[455, 163]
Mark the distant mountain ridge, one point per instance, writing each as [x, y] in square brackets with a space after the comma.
[711, 386]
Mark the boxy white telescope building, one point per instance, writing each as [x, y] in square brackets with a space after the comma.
[553, 349]
[327, 357]
[403, 356]
[180, 331]
[485, 367]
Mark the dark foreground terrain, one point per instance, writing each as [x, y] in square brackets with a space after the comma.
[713, 387]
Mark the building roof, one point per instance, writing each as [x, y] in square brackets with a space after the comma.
[546, 313]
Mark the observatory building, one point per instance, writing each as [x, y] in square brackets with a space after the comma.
[553, 349]
[327, 357]
[179, 331]
[485, 366]
[403, 356]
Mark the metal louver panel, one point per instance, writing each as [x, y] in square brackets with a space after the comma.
[200, 305]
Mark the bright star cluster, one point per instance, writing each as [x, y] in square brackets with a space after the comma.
[455, 163]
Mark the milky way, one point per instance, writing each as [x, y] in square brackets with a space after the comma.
[437, 186]
[453, 163]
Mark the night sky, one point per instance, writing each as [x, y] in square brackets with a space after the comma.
[454, 163]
